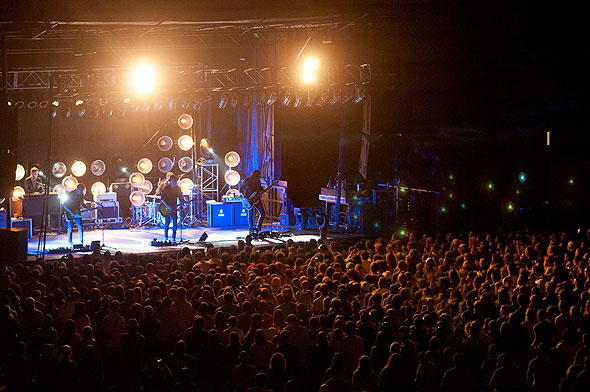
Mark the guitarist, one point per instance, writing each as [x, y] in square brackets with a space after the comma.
[251, 188]
[170, 194]
[71, 205]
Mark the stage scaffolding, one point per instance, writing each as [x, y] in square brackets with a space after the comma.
[208, 186]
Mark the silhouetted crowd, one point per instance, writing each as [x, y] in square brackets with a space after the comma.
[476, 312]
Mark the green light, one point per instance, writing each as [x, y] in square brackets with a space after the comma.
[522, 177]
[376, 225]
[463, 205]
[490, 185]
[402, 232]
[442, 209]
[403, 190]
[546, 202]
[450, 195]
[451, 177]
[510, 206]
[571, 181]
[518, 191]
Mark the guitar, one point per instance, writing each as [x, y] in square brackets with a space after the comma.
[71, 216]
[249, 202]
[166, 210]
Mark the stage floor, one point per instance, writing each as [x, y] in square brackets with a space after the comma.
[137, 240]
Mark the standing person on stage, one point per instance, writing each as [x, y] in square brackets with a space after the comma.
[170, 194]
[163, 183]
[72, 204]
[33, 183]
[251, 186]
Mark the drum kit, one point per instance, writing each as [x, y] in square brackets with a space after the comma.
[149, 213]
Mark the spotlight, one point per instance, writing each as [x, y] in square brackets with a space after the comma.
[272, 98]
[98, 167]
[442, 210]
[144, 78]
[145, 165]
[147, 187]
[310, 66]
[165, 165]
[205, 146]
[19, 173]
[232, 177]
[19, 104]
[198, 103]
[402, 232]
[288, 98]
[235, 98]
[510, 206]
[260, 98]
[463, 205]
[185, 121]
[136, 179]
[137, 198]
[233, 193]
[17, 193]
[360, 94]
[522, 177]
[79, 102]
[126, 100]
[185, 142]
[32, 105]
[124, 169]
[55, 103]
[70, 183]
[571, 181]
[43, 104]
[185, 164]
[165, 143]
[98, 188]
[59, 189]
[58, 169]
[186, 185]
[78, 168]
[223, 101]
[298, 100]
[489, 185]
[211, 150]
[232, 159]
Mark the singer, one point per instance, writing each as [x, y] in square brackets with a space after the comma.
[33, 183]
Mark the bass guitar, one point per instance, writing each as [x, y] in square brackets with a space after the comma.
[249, 202]
[166, 210]
[70, 216]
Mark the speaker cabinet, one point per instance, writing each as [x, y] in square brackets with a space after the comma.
[14, 243]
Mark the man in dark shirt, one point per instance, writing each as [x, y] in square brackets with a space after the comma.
[72, 203]
[249, 187]
[170, 194]
[33, 183]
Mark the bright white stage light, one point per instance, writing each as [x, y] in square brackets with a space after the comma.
[144, 78]
[310, 66]
[78, 168]
[145, 165]
[98, 188]
[186, 185]
[17, 193]
[185, 142]
[70, 183]
[20, 172]
[232, 177]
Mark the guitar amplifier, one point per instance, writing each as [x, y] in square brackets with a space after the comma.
[108, 196]
[240, 215]
[219, 215]
[109, 213]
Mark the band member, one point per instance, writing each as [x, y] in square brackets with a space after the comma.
[171, 193]
[250, 188]
[163, 183]
[33, 183]
[72, 204]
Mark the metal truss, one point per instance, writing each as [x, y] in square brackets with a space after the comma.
[64, 82]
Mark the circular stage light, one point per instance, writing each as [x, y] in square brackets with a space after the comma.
[232, 177]
[185, 142]
[59, 189]
[136, 179]
[70, 183]
[98, 188]
[185, 121]
[232, 159]
[186, 185]
[19, 173]
[165, 143]
[165, 165]
[185, 164]
[78, 168]
[145, 165]
[137, 198]
[233, 193]
[17, 193]
[59, 169]
[98, 167]
[147, 187]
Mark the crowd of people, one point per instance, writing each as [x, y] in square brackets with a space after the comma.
[474, 312]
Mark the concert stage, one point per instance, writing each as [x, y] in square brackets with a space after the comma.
[137, 240]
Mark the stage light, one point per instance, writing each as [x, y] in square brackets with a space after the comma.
[9, 103]
[360, 95]
[58, 169]
[98, 167]
[55, 103]
[223, 100]
[20, 104]
[490, 185]
[19, 174]
[98, 188]
[232, 159]
[442, 210]
[510, 206]
[288, 98]
[186, 185]
[126, 100]
[403, 190]
[185, 121]
[147, 187]
[571, 181]
[451, 177]
[235, 98]
[136, 179]
[233, 193]
[79, 102]
[185, 142]
[336, 97]
[32, 105]
[70, 183]
[463, 205]
[205, 146]
[165, 143]
[210, 149]
[260, 98]
[185, 164]
[145, 165]
[298, 100]
[78, 168]
[59, 189]
[124, 170]
[518, 191]
[403, 232]
[17, 193]
[165, 165]
[144, 78]
[310, 99]
[310, 66]
[522, 177]
[451, 195]
[137, 198]
[232, 177]
[272, 98]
